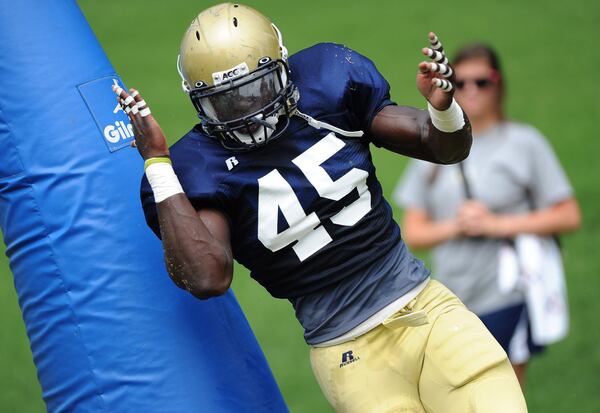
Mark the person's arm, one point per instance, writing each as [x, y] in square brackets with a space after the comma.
[475, 220]
[554, 207]
[419, 231]
[442, 134]
[197, 247]
[196, 243]
[559, 218]
[409, 131]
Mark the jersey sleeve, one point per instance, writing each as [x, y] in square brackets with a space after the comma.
[548, 182]
[369, 91]
[198, 199]
[411, 190]
[149, 207]
[195, 170]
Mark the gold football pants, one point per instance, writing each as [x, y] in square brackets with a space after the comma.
[432, 356]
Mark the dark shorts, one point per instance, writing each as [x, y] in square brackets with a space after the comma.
[510, 327]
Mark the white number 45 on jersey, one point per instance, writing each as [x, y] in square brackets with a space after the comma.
[275, 193]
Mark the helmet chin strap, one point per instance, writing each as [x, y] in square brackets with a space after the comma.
[270, 123]
[317, 124]
[311, 121]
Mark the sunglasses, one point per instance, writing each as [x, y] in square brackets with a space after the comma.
[480, 83]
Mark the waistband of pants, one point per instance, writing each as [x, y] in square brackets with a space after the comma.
[390, 316]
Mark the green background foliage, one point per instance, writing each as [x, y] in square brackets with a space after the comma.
[550, 59]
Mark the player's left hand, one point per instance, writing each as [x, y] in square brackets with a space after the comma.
[149, 137]
[435, 79]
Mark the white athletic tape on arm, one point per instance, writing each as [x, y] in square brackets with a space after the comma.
[141, 103]
[145, 112]
[128, 100]
[449, 120]
[163, 181]
[135, 93]
[118, 90]
[134, 110]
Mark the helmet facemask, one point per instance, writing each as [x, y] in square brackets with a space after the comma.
[247, 111]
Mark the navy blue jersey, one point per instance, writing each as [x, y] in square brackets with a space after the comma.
[306, 211]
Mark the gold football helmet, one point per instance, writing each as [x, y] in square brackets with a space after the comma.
[233, 65]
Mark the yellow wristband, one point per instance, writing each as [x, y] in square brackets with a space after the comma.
[158, 159]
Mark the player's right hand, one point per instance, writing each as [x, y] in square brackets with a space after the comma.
[434, 79]
[149, 137]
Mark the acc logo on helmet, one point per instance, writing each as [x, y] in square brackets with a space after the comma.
[229, 74]
[112, 122]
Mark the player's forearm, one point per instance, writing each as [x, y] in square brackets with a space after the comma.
[448, 147]
[409, 131]
[560, 218]
[196, 261]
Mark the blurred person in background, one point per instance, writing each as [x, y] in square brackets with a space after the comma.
[512, 183]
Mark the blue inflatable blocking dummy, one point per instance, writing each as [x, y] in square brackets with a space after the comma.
[109, 332]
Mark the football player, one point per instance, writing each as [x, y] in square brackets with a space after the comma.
[278, 175]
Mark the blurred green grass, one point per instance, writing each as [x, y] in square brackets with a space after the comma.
[550, 64]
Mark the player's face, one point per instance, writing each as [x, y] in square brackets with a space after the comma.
[477, 89]
[241, 101]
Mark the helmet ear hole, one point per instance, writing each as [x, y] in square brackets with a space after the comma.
[198, 35]
[235, 22]
[199, 84]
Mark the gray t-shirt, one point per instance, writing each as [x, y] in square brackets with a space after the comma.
[511, 166]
